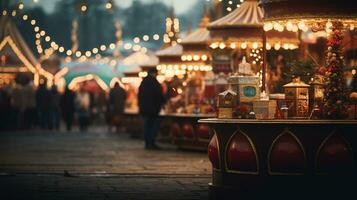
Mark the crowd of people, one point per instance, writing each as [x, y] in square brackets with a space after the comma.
[24, 106]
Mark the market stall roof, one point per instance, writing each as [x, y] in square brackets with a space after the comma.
[81, 71]
[122, 70]
[12, 44]
[245, 24]
[128, 69]
[140, 58]
[308, 9]
[200, 35]
[174, 50]
[248, 14]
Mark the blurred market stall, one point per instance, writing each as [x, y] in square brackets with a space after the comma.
[17, 62]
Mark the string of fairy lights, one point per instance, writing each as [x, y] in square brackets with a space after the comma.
[53, 46]
[231, 6]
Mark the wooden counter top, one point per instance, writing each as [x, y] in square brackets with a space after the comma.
[133, 112]
[288, 121]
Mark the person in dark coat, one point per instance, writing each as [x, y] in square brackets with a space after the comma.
[151, 99]
[55, 108]
[43, 101]
[6, 111]
[68, 107]
[30, 109]
[117, 97]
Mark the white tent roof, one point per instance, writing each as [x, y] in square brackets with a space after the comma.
[175, 50]
[248, 14]
[141, 59]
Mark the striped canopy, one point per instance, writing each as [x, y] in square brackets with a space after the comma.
[245, 24]
[248, 14]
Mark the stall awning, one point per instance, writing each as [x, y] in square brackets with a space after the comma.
[101, 72]
[244, 25]
[141, 59]
[248, 14]
[309, 9]
[10, 38]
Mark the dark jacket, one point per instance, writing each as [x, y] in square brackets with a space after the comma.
[117, 97]
[151, 97]
[43, 98]
[67, 104]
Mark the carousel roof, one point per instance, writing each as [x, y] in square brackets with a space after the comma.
[300, 9]
[174, 50]
[200, 35]
[245, 24]
[13, 44]
[248, 14]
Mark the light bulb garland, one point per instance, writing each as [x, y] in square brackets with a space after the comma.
[277, 45]
[257, 56]
[306, 24]
[171, 35]
[231, 6]
[54, 47]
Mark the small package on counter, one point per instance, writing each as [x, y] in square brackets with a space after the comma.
[227, 101]
[246, 87]
[264, 109]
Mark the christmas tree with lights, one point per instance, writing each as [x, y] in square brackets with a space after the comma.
[335, 102]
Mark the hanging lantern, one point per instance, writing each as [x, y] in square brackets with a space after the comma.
[317, 91]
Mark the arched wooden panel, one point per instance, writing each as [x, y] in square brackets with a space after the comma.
[175, 130]
[241, 155]
[203, 131]
[213, 152]
[286, 155]
[187, 131]
[334, 155]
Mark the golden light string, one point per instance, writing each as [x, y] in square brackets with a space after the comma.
[94, 51]
[41, 33]
[54, 46]
[61, 49]
[253, 45]
[306, 24]
[230, 6]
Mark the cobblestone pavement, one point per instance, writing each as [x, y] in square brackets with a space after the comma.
[97, 165]
[49, 187]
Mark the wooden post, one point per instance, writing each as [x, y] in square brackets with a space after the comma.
[264, 66]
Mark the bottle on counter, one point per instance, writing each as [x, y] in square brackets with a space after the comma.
[285, 110]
